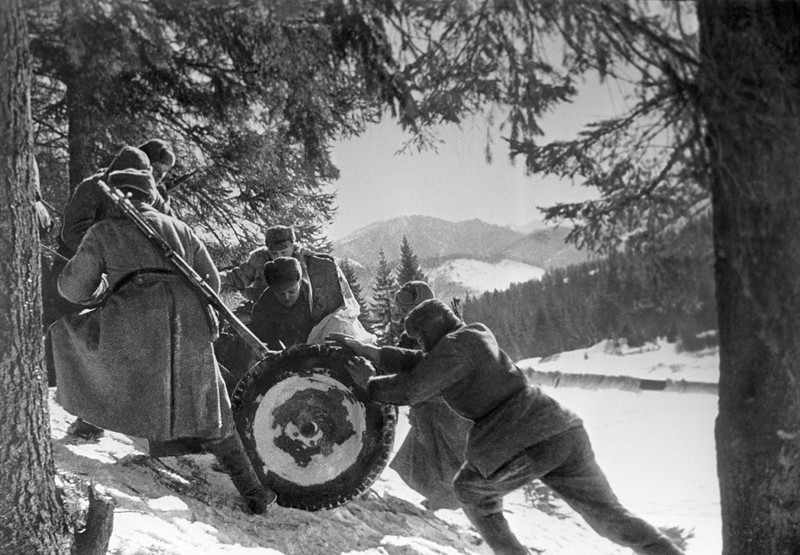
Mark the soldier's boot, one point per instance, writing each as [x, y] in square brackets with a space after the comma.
[496, 533]
[234, 461]
[85, 430]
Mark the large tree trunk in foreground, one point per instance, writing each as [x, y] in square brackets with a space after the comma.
[31, 519]
[750, 87]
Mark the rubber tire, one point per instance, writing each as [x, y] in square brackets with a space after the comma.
[381, 420]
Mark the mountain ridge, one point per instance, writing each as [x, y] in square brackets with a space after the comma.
[465, 257]
[436, 240]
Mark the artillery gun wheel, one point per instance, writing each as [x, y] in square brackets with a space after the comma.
[312, 434]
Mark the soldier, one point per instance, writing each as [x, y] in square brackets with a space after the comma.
[162, 159]
[330, 300]
[248, 277]
[281, 315]
[410, 294]
[433, 449]
[518, 432]
[89, 205]
[322, 274]
[142, 362]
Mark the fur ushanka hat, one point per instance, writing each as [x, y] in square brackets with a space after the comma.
[411, 294]
[135, 180]
[158, 152]
[430, 321]
[282, 273]
[279, 237]
[129, 157]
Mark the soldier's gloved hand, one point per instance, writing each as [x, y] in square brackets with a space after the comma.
[361, 373]
[347, 341]
[359, 348]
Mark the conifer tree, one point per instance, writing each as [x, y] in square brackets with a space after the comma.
[350, 275]
[384, 324]
[409, 269]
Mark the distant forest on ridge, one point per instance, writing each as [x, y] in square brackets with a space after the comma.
[664, 290]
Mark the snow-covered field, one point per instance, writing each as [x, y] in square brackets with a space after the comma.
[656, 448]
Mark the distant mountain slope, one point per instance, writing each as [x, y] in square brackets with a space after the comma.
[529, 227]
[429, 237]
[546, 248]
[460, 276]
[435, 240]
[459, 258]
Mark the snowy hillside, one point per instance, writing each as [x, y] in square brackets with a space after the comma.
[656, 448]
[458, 258]
[461, 276]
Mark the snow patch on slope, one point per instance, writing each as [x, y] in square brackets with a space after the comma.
[477, 276]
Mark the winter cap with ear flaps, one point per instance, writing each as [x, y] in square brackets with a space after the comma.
[282, 273]
[411, 294]
[159, 152]
[279, 237]
[431, 320]
[129, 157]
[138, 180]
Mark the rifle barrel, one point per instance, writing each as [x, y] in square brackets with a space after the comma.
[194, 279]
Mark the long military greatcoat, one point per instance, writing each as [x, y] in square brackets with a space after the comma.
[142, 363]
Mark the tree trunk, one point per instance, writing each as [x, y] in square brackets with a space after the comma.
[750, 79]
[81, 127]
[31, 519]
[80, 144]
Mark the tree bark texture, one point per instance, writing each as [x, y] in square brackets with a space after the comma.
[31, 519]
[750, 91]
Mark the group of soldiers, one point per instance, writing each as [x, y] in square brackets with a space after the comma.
[143, 362]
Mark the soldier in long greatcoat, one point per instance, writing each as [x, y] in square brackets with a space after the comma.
[142, 363]
[86, 206]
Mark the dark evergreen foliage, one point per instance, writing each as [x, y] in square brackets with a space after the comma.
[250, 95]
[409, 269]
[665, 291]
[383, 320]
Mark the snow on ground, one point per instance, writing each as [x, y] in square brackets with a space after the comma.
[656, 448]
[478, 276]
[657, 361]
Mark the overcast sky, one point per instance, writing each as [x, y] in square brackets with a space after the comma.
[455, 183]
